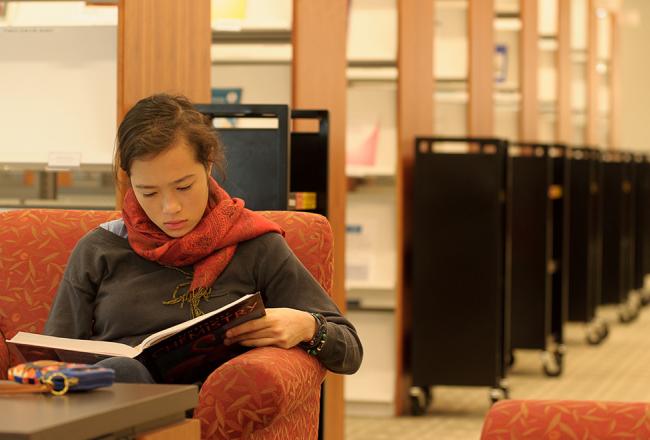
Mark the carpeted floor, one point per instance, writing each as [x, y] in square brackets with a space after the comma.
[617, 369]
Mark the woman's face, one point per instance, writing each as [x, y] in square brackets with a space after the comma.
[172, 188]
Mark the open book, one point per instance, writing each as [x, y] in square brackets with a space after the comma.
[185, 353]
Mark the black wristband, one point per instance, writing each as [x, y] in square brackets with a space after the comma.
[315, 345]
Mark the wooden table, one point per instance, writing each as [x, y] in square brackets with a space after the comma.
[144, 411]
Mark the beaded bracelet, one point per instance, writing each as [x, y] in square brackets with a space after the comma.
[315, 345]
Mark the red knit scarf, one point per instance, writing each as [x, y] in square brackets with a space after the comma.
[208, 247]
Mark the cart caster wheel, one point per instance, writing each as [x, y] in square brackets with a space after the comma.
[625, 315]
[498, 394]
[645, 297]
[604, 330]
[597, 333]
[552, 363]
[421, 398]
[622, 318]
[593, 336]
[629, 311]
[635, 303]
[636, 308]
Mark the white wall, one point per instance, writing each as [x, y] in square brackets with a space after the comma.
[635, 71]
[58, 82]
[58, 89]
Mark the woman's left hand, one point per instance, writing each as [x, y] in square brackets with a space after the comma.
[280, 327]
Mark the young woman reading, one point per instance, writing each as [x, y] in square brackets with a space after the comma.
[184, 247]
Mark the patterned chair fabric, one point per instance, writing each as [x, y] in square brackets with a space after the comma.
[566, 419]
[266, 393]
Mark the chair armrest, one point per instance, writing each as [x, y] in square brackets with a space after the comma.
[566, 419]
[248, 393]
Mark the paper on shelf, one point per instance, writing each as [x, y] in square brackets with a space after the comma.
[64, 160]
[370, 245]
[371, 135]
[362, 149]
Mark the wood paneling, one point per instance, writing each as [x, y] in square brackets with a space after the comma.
[319, 82]
[163, 46]
[529, 68]
[480, 112]
[415, 89]
[615, 85]
[563, 60]
[591, 129]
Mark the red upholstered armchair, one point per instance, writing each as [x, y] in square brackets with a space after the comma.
[566, 419]
[266, 393]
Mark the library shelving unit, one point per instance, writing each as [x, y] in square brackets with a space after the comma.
[251, 52]
[548, 70]
[371, 157]
[509, 80]
[450, 68]
[605, 39]
[54, 54]
[113, 41]
[578, 44]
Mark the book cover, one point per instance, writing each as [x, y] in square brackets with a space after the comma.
[185, 353]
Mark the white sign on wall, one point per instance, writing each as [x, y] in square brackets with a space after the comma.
[59, 93]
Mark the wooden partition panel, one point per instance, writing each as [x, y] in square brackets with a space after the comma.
[163, 46]
[415, 89]
[528, 66]
[480, 112]
[564, 116]
[591, 134]
[614, 85]
[319, 82]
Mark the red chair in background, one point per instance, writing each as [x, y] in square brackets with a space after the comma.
[566, 419]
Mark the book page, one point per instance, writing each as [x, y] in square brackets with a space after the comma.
[163, 334]
[82, 345]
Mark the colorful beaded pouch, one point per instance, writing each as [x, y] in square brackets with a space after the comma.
[58, 377]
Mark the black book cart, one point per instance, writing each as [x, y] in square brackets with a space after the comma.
[539, 251]
[257, 155]
[619, 228]
[585, 241]
[460, 303]
[309, 163]
[559, 192]
[642, 248]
